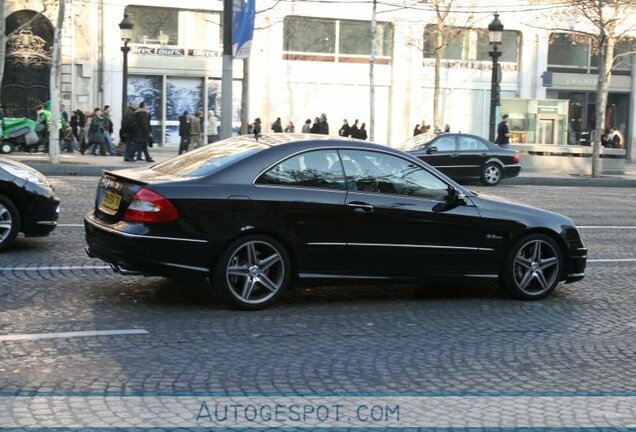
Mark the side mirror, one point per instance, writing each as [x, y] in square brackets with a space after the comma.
[430, 150]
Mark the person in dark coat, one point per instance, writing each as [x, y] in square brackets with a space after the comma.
[143, 132]
[323, 127]
[127, 132]
[354, 129]
[96, 137]
[503, 132]
[78, 122]
[185, 129]
[362, 133]
[277, 126]
[315, 127]
[345, 130]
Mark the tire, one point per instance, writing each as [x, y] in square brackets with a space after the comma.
[5, 147]
[491, 174]
[9, 222]
[533, 268]
[252, 272]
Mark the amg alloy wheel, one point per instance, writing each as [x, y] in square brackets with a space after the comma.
[533, 268]
[253, 272]
[9, 222]
[491, 174]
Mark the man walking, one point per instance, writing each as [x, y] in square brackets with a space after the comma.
[196, 131]
[108, 131]
[185, 129]
[127, 133]
[142, 131]
[503, 133]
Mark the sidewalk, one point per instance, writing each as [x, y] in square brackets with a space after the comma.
[77, 164]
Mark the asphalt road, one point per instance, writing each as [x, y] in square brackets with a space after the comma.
[438, 338]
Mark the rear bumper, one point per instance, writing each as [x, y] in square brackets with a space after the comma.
[512, 171]
[130, 252]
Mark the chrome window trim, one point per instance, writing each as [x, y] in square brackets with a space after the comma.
[330, 276]
[128, 235]
[457, 166]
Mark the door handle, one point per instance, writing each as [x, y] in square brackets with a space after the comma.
[361, 207]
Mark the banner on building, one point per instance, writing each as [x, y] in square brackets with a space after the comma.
[243, 28]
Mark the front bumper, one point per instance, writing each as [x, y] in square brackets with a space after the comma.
[576, 265]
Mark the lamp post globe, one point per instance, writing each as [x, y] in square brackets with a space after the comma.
[125, 32]
[495, 34]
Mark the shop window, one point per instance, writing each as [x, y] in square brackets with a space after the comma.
[320, 39]
[470, 44]
[169, 26]
[579, 52]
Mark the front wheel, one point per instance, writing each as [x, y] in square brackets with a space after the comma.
[533, 267]
[491, 174]
[9, 222]
[253, 272]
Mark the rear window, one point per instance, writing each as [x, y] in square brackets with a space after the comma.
[211, 158]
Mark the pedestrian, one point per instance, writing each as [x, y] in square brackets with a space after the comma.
[212, 128]
[323, 127]
[127, 132]
[315, 127]
[615, 138]
[307, 126]
[277, 127]
[64, 116]
[143, 132]
[503, 132]
[43, 127]
[196, 131]
[417, 130]
[446, 128]
[68, 143]
[78, 122]
[345, 130]
[605, 138]
[184, 132]
[256, 127]
[424, 127]
[290, 128]
[362, 133]
[96, 136]
[108, 131]
[355, 129]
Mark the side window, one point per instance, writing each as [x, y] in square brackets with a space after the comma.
[321, 169]
[383, 173]
[471, 144]
[445, 143]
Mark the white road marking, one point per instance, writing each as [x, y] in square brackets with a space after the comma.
[613, 260]
[56, 268]
[605, 227]
[35, 336]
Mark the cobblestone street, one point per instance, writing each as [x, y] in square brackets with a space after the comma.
[446, 339]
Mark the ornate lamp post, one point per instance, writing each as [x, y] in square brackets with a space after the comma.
[125, 32]
[495, 32]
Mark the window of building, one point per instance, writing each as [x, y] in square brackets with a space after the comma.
[169, 26]
[470, 44]
[577, 52]
[322, 39]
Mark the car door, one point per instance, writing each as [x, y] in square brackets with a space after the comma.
[474, 153]
[403, 223]
[304, 195]
[441, 153]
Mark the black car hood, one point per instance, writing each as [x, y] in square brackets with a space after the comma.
[487, 203]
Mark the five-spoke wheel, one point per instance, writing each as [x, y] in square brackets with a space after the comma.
[253, 272]
[533, 268]
[491, 174]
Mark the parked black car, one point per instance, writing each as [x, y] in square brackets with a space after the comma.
[257, 216]
[464, 156]
[27, 202]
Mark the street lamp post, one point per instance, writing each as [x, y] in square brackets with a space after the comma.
[125, 32]
[495, 32]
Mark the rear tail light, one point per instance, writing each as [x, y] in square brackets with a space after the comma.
[515, 158]
[149, 206]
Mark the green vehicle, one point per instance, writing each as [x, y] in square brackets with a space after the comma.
[17, 134]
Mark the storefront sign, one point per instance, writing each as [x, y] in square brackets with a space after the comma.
[463, 64]
[173, 52]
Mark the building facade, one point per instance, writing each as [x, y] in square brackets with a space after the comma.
[310, 58]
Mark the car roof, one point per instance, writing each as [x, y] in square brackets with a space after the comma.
[420, 140]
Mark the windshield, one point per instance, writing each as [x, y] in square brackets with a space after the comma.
[416, 142]
[208, 159]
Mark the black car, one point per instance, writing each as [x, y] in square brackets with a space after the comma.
[27, 202]
[258, 216]
[464, 156]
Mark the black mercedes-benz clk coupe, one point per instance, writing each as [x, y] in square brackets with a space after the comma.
[28, 203]
[257, 215]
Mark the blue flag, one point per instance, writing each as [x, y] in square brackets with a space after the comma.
[243, 28]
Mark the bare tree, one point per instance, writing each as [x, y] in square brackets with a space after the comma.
[605, 23]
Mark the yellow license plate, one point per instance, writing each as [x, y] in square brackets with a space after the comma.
[110, 202]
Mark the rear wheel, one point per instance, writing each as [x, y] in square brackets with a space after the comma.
[491, 174]
[253, 272]
[9, 222]
[5, 147]
[533, 268]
